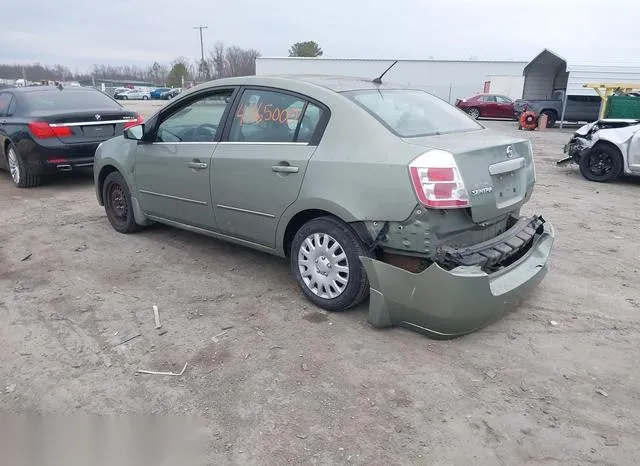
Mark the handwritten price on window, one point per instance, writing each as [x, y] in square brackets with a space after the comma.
[259, 113]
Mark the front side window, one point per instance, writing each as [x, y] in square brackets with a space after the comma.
[413, 113]
[503, 100]
[269, 116]
[489, 98]
[197, 121]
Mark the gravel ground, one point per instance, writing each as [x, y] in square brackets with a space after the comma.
[277, 381]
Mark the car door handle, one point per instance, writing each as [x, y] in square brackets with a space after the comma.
[197, 165]
[284, 169]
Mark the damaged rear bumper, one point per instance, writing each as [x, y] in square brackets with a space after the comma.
[448, 303]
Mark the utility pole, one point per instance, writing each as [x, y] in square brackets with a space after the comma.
[201, 46]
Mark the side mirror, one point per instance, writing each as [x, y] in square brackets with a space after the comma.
[135, 132]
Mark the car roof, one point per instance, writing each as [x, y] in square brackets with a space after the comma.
[334, 83]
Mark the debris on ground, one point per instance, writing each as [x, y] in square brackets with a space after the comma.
[600, 391]
[163, 332]
[304, 367]
[127, 339]
[260, 333]
[10, 388]
[144, 371]
[553, 323]
[227, 327]
[156, 315]
[215, 338]
[27, 257]
[82, 248]
[491, 374]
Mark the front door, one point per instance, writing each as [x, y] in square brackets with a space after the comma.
[634, 151]
[258, 169]
[490, 106]
[505, 107]
[172, 172]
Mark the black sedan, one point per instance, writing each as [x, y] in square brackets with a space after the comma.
[47, 130]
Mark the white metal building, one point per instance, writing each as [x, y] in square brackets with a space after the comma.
[549, 71]
[448, 79]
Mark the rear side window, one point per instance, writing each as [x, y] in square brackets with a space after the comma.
[67, 100]
[413, 113]
[268, 116]
[5, 100]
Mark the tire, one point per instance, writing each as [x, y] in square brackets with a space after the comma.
[124, 97]
[552, 117]
[117, 204]
[19, 171]
[602, 163]
[315, 241]
[144, 97]
[474, 113]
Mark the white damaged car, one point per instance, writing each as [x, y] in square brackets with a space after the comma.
[605, 149]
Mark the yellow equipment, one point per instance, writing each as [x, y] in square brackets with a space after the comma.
[606, 90]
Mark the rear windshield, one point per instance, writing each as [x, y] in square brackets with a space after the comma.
[413, 113]
[67, 100]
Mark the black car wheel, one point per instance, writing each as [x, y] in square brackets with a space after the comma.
[144, 97]
[117, 204]
[325, 261]
[551, 118]
[20, 173]
[601, 163]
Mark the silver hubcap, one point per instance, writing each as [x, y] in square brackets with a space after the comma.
[323, 265]
[14, 168]
[474, 113]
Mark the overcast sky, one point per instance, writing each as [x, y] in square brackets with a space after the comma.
[79, 33]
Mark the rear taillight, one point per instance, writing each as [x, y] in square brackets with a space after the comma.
[43, 130]
[138, 121]
[437, 181]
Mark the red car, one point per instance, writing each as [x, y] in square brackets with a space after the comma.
[487, 106]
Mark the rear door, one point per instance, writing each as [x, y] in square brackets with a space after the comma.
[172, 171]
[258, 170]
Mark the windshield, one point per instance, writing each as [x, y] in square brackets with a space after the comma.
[413, 113]
[68, 100]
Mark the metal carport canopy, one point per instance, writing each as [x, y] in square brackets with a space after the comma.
[584, 72]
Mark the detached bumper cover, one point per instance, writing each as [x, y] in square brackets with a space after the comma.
[446, 304]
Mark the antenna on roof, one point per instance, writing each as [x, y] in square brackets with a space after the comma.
[378, 80]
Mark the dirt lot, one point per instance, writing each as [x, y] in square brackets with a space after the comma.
[288, 384]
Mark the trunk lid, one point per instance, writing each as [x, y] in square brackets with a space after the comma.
[94, 126]
[497, 170]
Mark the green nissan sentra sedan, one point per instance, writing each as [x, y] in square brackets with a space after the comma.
[369, 189]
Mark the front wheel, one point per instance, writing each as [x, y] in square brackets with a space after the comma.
[117, 204]
[601, 163]
[325, 259]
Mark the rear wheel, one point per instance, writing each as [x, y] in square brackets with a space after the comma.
[551, 118]
[20, 173]
[117, 204]
[144, 97]
[474, 113]
[325, 261]
[602, 163]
